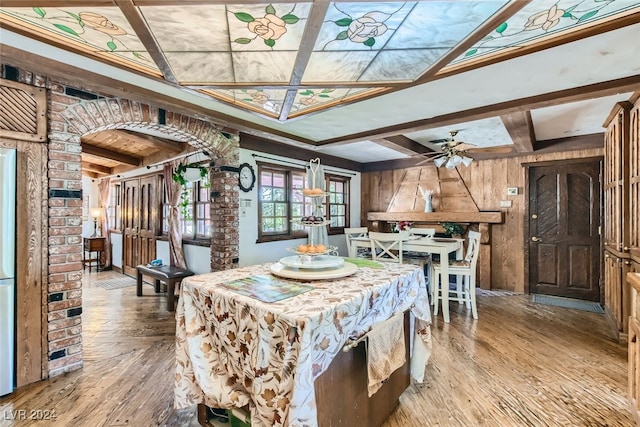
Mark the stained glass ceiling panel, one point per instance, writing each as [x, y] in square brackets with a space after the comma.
[283, 60]
[398, 41]
[98, 31]
[543, 20]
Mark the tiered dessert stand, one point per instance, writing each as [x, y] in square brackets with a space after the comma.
[313, 261]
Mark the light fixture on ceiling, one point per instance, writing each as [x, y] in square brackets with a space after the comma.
[451, 156]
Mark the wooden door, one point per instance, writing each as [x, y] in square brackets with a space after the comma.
[139, 221]
[148, 219]
[564, 217]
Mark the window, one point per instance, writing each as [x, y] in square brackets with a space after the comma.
[115, 221]
[281, 202]
[196, 218]
[337, 202]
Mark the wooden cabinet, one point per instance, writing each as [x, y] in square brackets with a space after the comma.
[634, 182]
[621, 186]
[633, 280]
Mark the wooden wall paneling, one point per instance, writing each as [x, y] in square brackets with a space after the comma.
[487, 181]
[31, 261]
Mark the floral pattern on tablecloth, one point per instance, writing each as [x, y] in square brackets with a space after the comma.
[233, 350]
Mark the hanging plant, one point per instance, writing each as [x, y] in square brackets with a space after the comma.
[184, 174]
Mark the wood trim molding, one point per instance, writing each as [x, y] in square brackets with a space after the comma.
[251, 142]
[464, 217]
[582, 93]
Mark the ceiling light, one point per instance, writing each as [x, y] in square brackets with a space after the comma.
[439, 161]
[466, 160]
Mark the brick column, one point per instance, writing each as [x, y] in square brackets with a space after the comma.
[224, 220]
[64, 294]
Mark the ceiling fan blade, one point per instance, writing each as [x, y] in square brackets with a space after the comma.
[429, 159]
[463, 146]
[503, 149]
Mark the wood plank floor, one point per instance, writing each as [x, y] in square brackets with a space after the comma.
[520, 364]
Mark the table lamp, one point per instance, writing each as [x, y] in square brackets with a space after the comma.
[95, 213]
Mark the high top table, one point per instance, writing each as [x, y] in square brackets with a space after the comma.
[233, 350]
[427, 245]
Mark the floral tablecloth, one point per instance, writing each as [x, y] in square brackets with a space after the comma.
[234, 350]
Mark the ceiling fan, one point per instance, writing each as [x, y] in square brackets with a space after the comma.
[453, 153]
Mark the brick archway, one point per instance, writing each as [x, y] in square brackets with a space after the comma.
[70, 118]
[90, 116]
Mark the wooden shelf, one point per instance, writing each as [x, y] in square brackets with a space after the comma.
[464, 217]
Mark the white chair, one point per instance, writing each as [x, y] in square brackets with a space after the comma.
[420, 258]
[466, 268]
[350, 233]
[387, 246]
[424, 232]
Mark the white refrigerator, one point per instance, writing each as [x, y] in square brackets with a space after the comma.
[7, 268]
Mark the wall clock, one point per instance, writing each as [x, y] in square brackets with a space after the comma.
[247, 177]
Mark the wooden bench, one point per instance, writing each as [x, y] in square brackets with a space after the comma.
[165, 273]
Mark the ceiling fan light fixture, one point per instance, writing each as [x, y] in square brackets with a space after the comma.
[439, 161]
[466, 160]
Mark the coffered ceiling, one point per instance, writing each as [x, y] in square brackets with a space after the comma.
[363, 80]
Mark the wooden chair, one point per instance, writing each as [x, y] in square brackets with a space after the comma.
[387, 246]
[350, 233]
[466, 268]
[420, 258]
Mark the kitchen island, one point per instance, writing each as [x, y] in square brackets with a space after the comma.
[234, 350]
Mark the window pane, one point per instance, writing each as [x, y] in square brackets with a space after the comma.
[279, 194]
[281, 209]
[266, 179]
[298, 181]
[268, 224]
[296, 210]
[280, 224]
[279, 180]
[268, 209]
[267, 194]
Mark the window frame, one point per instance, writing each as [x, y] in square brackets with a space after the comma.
[289, 173]
[346, 182]
[196, 191]
[114, 212]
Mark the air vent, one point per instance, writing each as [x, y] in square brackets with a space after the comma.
[10, 73]
[80, 93]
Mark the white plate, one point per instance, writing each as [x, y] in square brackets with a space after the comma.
[312, 262]
[347, 269]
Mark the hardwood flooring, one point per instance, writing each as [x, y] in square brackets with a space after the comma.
[520, 364]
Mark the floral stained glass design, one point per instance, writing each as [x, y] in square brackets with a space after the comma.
[284, 60]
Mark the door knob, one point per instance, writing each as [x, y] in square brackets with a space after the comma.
[535, 239]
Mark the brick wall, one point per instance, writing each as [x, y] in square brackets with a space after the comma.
[73, 112]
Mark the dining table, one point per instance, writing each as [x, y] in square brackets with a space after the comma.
[442, 246]
[237, 349]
